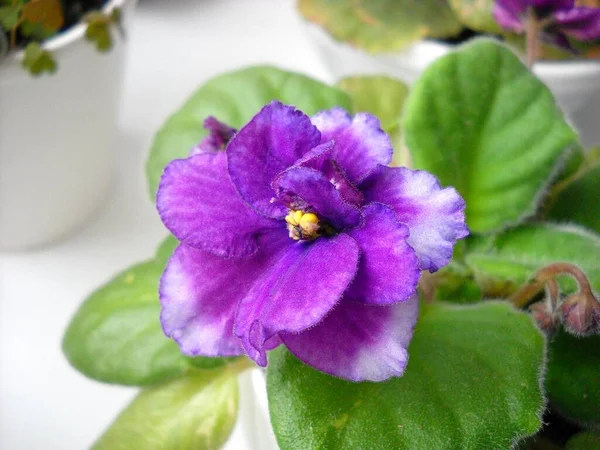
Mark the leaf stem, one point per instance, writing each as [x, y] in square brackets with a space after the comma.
[532, 29]
[547, 275]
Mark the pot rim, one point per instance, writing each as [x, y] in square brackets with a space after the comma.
[71, 35]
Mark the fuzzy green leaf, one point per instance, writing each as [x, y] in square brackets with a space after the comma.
[504, 262]
[472, 382]
[573, 377]
[382, 25]
[235, 98]
[196, 412]
[37, 60]
[480, 121]
[579, 202]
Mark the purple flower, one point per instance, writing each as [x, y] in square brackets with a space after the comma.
[558, 19]
[299, 234]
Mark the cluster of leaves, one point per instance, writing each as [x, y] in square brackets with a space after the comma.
[391, 25]
[28, 23]
[481, 374]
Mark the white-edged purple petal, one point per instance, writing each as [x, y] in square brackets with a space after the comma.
[296, 291]
[272, 141]
[198, 203]
[199, 293]
[309, 189]
[388, 271]
[359, 342]
[360, 143]
[434, 215]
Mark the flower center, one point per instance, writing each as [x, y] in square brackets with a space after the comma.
[302, 226]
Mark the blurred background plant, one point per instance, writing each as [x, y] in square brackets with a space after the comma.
[26, 24]
[392, 25]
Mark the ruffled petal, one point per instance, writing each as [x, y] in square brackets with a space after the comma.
[296, 292]
[360, 143]
[309, 189]
[510, 14]
[199, 293]
[359, 342]
[580, 23]
[388, 271]
[434, 216]
[219, 135]
[272, 141]
[198, 203]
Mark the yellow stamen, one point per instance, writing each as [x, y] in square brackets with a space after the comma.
[308, 221]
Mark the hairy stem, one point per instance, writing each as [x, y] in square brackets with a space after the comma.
[546, 275]
[532, 29]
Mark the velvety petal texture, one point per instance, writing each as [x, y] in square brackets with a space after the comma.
[198, 203]
[434, 216]
[359, 342]
[293, 231]
[384, 251]
[360, 143]
[272, 141]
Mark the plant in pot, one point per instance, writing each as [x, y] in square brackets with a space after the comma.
[401, 38]
[386, 308]
[58, 101]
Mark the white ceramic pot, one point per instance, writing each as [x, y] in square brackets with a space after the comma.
[573, 83]
[56, 131]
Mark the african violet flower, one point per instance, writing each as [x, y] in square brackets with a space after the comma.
[559, 19]
[299, 234]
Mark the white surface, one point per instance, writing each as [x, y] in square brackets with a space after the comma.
[56, 132]
[175, 46]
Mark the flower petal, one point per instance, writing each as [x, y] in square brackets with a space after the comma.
[218, 137]
[272, 141]
[581, 23]
[309, 189]
[360, 143]
[198, 203]
[388, 271]
[434, 216]
[199, 293]
[296, 292]
[510, 14]
[359, 342]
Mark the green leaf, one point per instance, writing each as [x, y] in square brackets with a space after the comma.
[480, 121]
[504, 262]
[573, 377]
[196, 412]
[472, 382]
[584, 441]
[382, 25]
[235, 98]
[476, 14]
[116, 336]
[10, 15]
[579, 200]
[99, 34]
[37, 60]
[383, 97]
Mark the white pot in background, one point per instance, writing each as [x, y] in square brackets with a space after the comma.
[573, 83]
[56, 131]
[254, 411]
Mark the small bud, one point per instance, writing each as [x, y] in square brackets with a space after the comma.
[581, 314]
[544, 317]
